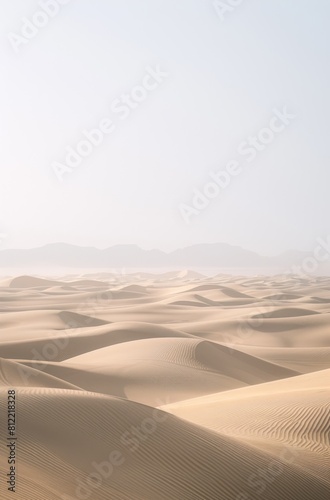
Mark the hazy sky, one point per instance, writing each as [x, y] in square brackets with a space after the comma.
[217, 84]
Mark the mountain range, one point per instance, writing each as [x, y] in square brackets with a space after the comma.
[213, 255]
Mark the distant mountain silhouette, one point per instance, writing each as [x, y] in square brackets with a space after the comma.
[217, 255]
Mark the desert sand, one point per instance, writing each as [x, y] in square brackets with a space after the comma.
[172, 386]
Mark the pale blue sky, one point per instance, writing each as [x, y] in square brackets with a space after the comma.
[224, 79]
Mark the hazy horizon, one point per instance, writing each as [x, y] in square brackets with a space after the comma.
[172, 101]
[167, 251]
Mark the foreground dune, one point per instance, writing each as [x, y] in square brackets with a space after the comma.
[67, 436]
[167, 387]
[293, 413]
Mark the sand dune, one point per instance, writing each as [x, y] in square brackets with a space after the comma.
[291, 312]
[238, 366]
[191, 462]
[144, 369]
[18, 375]
[296, 415]
[300, 359]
